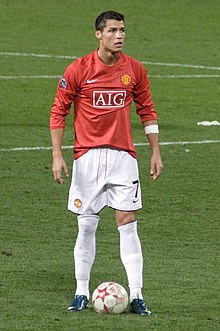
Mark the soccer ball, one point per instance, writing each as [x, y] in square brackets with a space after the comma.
[110, 298]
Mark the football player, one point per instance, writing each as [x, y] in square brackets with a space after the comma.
[102, 86]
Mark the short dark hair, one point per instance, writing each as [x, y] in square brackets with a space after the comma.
[105, 16]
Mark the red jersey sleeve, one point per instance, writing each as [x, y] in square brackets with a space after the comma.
[142, 96]
[66, 92]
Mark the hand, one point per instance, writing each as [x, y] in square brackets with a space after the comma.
[156, 166]
[58, 165]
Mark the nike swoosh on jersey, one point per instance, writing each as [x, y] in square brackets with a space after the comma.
[89, 81]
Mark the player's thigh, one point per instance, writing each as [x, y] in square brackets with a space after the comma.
[86, 194]
[124, 191]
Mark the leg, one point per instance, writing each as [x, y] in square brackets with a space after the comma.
[131, 252]
[132, 259]
[84, 255]
[87, 196]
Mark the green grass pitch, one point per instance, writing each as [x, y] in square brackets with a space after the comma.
[179, 222]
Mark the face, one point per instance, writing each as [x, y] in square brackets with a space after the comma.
[112, 37]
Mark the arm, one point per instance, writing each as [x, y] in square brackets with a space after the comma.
[145, 109]
[60, 109]
[156, 165]
[58, 163]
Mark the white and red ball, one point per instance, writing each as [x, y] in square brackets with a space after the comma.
[110, 298]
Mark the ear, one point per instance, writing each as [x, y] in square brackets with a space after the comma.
[98, 34]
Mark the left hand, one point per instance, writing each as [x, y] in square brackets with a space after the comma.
[156, 166]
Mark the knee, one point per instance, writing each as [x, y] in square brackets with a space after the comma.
[87, 224]
[125, 217]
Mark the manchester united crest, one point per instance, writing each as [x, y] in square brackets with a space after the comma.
[126, 79]
[78, 203]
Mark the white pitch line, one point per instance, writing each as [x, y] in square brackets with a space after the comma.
[184, 76]
[75, 57]
[180, 65]
[38, 55]
[167, 143]
[40, 148]
[30, 77]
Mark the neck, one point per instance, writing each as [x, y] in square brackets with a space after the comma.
[108, 58]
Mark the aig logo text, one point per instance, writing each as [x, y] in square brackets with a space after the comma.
[109, 99]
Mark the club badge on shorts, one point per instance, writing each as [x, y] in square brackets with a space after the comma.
[78, 203]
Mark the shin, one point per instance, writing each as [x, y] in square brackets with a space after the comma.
[84, 251]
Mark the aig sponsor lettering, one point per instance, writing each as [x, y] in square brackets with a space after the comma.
[109, 99]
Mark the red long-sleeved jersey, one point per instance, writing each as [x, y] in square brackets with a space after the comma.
[102, 97]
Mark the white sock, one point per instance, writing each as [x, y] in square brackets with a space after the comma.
[84, 251]
[132, 259]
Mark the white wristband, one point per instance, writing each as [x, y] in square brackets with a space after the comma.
[151, 129]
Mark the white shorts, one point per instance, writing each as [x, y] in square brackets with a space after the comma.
[104, 177]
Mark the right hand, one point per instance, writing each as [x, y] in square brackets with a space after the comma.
[58, 165]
